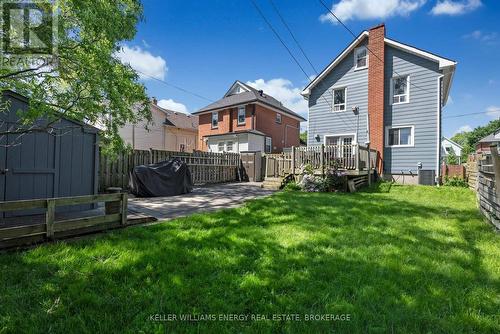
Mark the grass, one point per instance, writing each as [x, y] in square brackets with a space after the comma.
[396, 259]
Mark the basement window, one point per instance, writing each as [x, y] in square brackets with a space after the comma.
[400, 89]
[339, 98]
[360, 58]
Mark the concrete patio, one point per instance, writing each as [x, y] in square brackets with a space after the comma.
[202, 199]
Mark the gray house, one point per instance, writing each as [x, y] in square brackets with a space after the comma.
[385, 93]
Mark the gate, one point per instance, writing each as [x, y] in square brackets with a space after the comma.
[251, 162]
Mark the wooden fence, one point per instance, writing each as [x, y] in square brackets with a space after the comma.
[23, 233]
[205, 167]
[471, 171]
[354, 158]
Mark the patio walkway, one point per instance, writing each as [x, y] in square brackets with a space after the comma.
[202, 199]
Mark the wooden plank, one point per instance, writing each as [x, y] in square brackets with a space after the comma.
[88, 229]
[87, 199]
[21, 231]
[23, 205]
[49, 218]
[72, 224]
[18, 242]
[124, 209]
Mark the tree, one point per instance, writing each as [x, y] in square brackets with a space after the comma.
[451, 158]
[303, 136]
[469, 139]
[86, 82]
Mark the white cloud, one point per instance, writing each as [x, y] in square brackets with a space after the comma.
[283, 90]
[493, 111]
[369, 9]
[463, 128]
[488, 38]
[146, 65]
[449, 7]
[172, 105]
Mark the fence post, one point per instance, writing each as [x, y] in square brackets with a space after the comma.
[322, 160]
[496, 168]
[50, 217]
[124, 209]
[369, 164]
[293, 160]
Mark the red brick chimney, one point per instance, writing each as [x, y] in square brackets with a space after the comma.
[376, 91]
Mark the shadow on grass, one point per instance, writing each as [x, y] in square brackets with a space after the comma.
[395, 260]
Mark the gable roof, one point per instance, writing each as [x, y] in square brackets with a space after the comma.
[451, 141]
[446, 65]
[178, 119]
[491, 138]
[250, 95]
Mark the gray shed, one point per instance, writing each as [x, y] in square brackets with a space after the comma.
[45, 165]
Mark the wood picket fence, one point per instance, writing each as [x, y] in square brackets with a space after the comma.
[205, 167]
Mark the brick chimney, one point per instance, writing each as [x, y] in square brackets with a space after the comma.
[154, 100]
[376, 91]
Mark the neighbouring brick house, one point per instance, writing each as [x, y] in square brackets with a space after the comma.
[246, 119]
[385, 93]
[484, 144]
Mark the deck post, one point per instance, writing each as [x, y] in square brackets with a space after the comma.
[369, 165]
[50, 217]
[293, 161]
[124, 208]
[322, 160]
[267, 166]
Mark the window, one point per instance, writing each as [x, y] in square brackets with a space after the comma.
[229, 146]
[215, 120]
[400, 136]
[241, 115]
[278, 118]
[182, 148]
[339, 98]
[400, 90]
[269, 145]
[220, 146]
[360, 58]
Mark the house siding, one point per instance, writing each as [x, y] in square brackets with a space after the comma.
[421, 112]
[322, 120]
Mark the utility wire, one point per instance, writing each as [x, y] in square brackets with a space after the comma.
[376, 56]
[463, 115]
[176, 87]
[290, 53]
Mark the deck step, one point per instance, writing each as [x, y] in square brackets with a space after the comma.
[272, 183]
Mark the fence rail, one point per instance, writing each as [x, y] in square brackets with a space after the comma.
[205, 167]
[320, 157]
[51, 228]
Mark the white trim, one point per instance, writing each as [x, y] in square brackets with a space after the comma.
[280, 117]
[438, 131]
[356, 51]
[334, 63]
[265, 144]
[391, 101]
[443, 62]
[223, 146]
[333, 98]
[244, 114]
[412, 137]
[353, 134]
[236, 83]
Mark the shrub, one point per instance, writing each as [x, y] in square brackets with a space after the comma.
[455, 182]
[311, 183]
[292, 186]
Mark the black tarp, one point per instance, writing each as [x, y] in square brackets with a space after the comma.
[166, 178]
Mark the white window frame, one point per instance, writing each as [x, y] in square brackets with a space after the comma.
[407, 90]
[219, 146]
[333, 99]
[412, 135]
[216, 114]
[270, 146]
[278, 118]
[356, 52]
[227, 146]
[242, 108]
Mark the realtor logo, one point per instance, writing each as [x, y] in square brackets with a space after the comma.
[28, 32]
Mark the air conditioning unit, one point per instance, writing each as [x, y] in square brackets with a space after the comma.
[426, 177]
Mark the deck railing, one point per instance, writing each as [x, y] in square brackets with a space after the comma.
[353, 158]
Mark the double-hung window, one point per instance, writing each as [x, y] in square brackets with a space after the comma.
[229, 146]
[269, 145]
[241, 115]
[360, 58]
[400, 136]
[215, 120]
[339, 99]
[400, 89]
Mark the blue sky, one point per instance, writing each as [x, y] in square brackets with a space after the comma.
[203, 46]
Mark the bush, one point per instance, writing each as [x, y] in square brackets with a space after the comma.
[292, 186]
[311, 183]
[455, 182]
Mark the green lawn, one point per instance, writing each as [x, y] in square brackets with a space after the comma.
[396, 259]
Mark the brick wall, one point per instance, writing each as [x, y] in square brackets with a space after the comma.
[376, 45]
[283, 135]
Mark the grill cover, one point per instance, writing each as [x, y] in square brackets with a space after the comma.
[166, 178]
